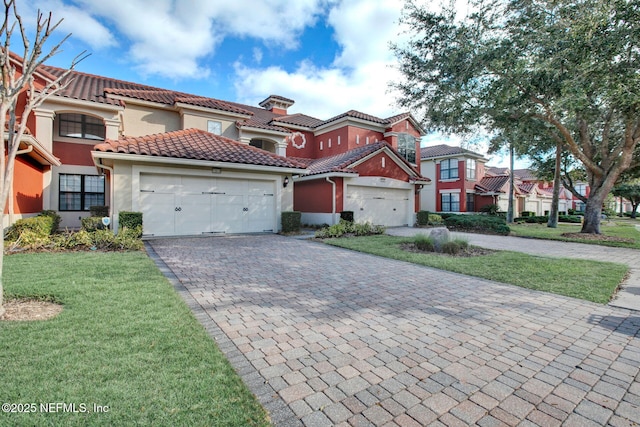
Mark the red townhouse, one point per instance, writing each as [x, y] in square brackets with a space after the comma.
[199, 165]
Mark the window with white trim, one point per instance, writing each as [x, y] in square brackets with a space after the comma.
[471, 169]
[449, 169]
[450, 202]
[80, 192]
[407, 147]
[73, 125]
[214, 127]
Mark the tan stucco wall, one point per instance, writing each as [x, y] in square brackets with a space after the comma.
[196, 121]
[140, 120]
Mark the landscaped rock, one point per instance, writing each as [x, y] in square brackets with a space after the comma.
[440, 235]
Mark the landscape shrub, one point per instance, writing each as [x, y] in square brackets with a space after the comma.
[92, 223]
[435, 219]
[126, 239]
[491, 209]
[291, 221]
[422, 218]
[40, 226]
[130, 220]
[349, 228]
[573, 219]
[424, 243]
[477, 223]
[527, 213]
[427, 243]
[99, 211]
[54, 216]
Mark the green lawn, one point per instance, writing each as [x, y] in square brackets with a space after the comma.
[624, 228]
[588, 280]
[124, 340]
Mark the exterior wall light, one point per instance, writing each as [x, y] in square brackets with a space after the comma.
[285, 182]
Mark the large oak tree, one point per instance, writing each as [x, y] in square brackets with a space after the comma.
[572, 66]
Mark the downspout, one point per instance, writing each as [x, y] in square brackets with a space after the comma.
[333, 199]
[10, 206]
[110, 169]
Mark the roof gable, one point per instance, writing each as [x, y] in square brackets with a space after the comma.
[444, 150]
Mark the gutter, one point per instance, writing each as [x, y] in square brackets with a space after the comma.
[333, 199]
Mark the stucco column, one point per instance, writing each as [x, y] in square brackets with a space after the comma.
[281, 149]
[112, 128]
[44, 127]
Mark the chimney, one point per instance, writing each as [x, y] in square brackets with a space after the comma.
[277, 104]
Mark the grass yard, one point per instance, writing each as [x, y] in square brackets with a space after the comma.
[588, 280]
[125, 340]
[622, 228]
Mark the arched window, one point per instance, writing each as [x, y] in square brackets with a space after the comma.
[73, 125]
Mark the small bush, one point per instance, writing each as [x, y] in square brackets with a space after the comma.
[527, 213]
[451, 248]
[291, 221]
[349, 228]
[491, 209]
[92, 223]
[478, 223]
[54, 216]
[422, 218]
[573, 219]
[347, 216]
[126, 239]
[130, 220]
[435, 219]
[40, 226]
[424, 243]
[99, 211]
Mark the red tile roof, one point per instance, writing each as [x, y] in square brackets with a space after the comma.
[343, 162]
[493, 184]
[444, 150]
[198, 145]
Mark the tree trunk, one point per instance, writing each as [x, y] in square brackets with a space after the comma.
[2, 309]
[593, 213]
[555, 201]
[511, 183]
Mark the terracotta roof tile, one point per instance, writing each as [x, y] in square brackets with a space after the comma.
[298, 120]
[493, 184]
[342, 162]
[444, 150]
[198, 145]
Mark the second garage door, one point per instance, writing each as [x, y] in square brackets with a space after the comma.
[380, 206]
[187, 205]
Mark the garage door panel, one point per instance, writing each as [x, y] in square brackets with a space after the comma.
[158, 210]
[381, 206]
[183, 205]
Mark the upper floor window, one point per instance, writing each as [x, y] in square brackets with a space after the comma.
[471, 169]
[449, 169]
[407, 147]
[74, 125]
[214, 127]
[581, 189]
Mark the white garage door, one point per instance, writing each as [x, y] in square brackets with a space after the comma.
[186, 205]
[380, 206]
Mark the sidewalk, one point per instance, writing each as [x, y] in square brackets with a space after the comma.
[627, 297]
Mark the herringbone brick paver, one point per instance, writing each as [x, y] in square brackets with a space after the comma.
[325, 336]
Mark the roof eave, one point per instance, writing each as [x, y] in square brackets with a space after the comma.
[194, 162]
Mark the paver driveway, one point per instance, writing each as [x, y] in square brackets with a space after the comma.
[326, 336]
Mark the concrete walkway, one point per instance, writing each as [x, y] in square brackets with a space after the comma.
[626, 297]
[329, 337]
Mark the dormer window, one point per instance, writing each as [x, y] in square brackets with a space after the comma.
[74, 125]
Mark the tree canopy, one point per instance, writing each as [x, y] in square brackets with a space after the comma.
[568, 69]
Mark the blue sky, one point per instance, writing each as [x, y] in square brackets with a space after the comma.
[329, 56]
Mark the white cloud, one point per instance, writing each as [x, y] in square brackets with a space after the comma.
[75, 20]
[357, 79]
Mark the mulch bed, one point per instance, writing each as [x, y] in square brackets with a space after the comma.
[596, 237]
[469, 252]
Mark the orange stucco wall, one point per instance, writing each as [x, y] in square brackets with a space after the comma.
[73, 154]
[27, 186]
